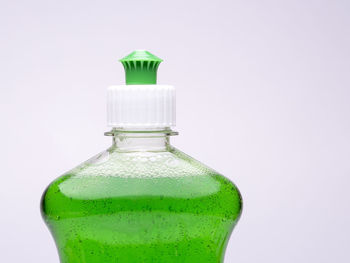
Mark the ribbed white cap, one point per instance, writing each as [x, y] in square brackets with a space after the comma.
[141, 106]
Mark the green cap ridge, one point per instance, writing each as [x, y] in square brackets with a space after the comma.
[140, 68]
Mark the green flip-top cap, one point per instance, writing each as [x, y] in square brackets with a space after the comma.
[140, 68]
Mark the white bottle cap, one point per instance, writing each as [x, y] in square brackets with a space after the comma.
[141, 106]
[141, 103]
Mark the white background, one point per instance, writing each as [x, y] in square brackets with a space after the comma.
[263, 97]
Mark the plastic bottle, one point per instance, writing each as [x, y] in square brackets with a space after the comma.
[141, 200]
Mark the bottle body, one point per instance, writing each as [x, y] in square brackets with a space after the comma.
[141, 201]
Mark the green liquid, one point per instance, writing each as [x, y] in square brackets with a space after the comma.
[99, 214]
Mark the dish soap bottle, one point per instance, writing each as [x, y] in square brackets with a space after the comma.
[141, 200]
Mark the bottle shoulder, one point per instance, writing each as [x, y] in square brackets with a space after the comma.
[170, 164]
[142, 164]
[143, 177]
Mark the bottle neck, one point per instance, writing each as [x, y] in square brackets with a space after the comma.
[141, 140]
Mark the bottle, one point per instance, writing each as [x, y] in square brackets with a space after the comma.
[141, 200]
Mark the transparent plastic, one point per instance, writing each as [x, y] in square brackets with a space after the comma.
[141, 200]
